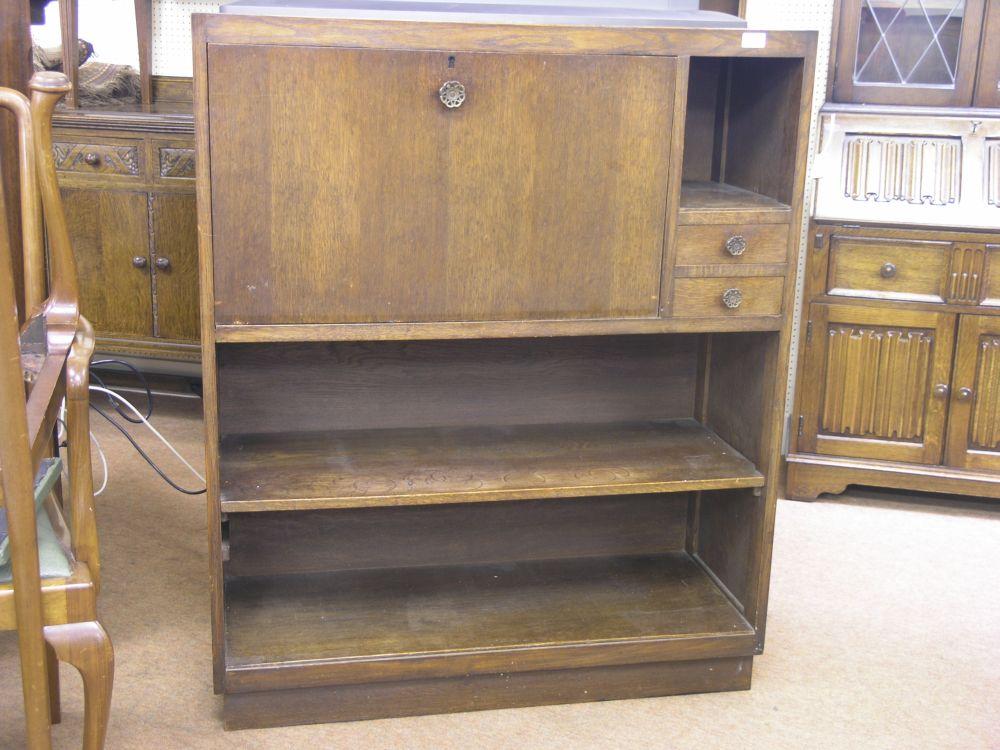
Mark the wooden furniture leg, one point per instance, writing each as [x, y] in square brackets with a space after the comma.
[87, 647]
[144, 34]
[55, 711]
[70, 32]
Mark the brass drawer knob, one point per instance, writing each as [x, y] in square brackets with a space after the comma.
[732, 298]
[888, 270]
[452, 94]
[139, 261]
[963, 394]
[92, 159]
[941, 390]
[163, 263]
[736, 245]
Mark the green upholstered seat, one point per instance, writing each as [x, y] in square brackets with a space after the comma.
[54, 562]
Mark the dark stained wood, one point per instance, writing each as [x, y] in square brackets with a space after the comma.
[372, 625]
[706, 202]
[356, 384]
[143, 160]
[481, 692]
[705, 244]
[702, 298]
[511, 186]
[175, 265]
[358, 468]
[109, 230]
[884, 268]
[987, 93]
[386, 385]
[973, 440]
[910, 37]
[454, 534]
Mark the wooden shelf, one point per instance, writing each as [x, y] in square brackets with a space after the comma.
[357, 468]
[438, 621]
[728, 202]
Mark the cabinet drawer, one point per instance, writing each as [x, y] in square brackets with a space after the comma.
[712, 244]
[915, 270]
[711, 297]
[123, 159]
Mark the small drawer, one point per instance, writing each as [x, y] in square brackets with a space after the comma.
[98, 158]
[725, 296]
[175, 162]
[914, 270]
[712, 244]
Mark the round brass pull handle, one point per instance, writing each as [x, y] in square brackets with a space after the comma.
[888, 270]
[736, 245]
[732, 298]
[139, 261]
[163, 263]
[92, 159]
[452, 94]
[941, 390]
[963, 394]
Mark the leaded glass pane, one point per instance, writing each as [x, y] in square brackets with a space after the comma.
[909, 42]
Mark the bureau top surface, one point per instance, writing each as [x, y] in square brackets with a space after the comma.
[665, 13]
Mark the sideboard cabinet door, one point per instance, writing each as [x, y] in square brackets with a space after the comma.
[407, 186]
[974, 420]
[175, 265]
[876, 382]
[111, 242]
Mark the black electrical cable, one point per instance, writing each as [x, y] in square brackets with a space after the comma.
[112, 400]
[142, 453]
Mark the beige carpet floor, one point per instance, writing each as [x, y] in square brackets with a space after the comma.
[883, 632]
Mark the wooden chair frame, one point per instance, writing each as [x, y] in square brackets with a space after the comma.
[56, 619]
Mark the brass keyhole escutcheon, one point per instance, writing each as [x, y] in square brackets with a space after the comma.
[452, 94]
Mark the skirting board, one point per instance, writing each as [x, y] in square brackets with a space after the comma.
[482, 692]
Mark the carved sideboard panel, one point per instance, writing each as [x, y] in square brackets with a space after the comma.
[914, 170]
[985, 432]
[887, 167]
[876, 381]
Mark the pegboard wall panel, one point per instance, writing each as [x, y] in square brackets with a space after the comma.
[172, 34]
[800, 14]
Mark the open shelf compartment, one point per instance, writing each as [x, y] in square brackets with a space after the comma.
[358, 625]
[355, 424]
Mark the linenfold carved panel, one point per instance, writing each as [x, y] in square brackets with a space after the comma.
[876, 382]
[892, 168]
[993, 172]
[985, 431]
[968, 269]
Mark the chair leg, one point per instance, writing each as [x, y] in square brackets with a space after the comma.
[55, 713]
[87, 647]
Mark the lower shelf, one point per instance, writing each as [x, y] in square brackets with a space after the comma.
[380, 625]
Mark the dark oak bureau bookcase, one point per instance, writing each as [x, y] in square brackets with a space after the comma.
[493, 390]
